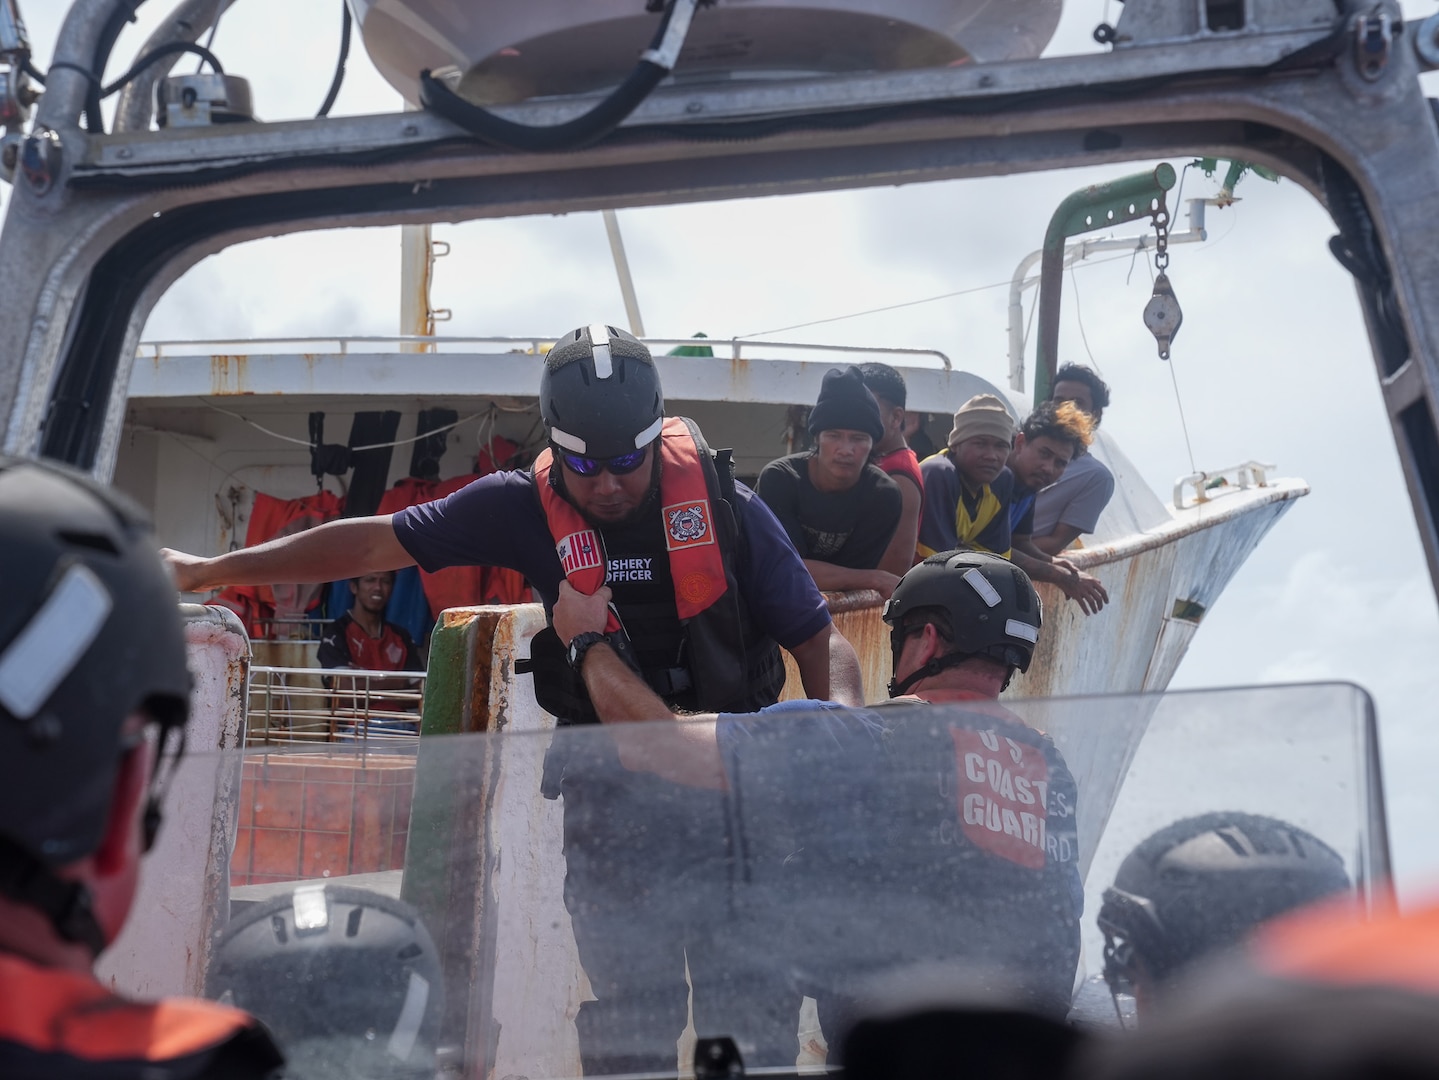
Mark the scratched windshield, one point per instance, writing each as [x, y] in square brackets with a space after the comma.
[594, 900]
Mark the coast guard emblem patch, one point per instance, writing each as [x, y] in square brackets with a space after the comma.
[687, 525]
[579, 551]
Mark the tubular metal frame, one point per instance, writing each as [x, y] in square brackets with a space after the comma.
[102, 225]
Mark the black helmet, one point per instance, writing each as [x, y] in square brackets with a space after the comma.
[993, 610]
[1204, 883]
[90, 633]
[348, 980]
[600, 393]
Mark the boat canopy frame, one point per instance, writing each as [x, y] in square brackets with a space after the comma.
[1326, 92]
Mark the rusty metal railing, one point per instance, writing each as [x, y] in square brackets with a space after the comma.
[730, 348]
[291, 706]
[292, 629]
[1206, 485]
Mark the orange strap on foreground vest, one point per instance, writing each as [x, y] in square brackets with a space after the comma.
[1334, 943]
[52, 1011]
[695, 562]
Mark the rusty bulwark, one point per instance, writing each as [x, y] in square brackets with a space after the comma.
[229, 375]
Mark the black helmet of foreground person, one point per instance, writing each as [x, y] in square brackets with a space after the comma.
[348, 980]
[1203, 884]
[600, 394]
[89, 634]
[991, 607]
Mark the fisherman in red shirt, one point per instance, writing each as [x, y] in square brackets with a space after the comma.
[92, 655]
[363, 638]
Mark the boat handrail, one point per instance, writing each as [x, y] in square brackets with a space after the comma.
[289, 705]
[156, 350]
[1246, 475]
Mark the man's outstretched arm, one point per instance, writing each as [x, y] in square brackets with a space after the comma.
[333, 551]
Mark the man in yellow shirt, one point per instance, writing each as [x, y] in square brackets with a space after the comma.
[967, 487]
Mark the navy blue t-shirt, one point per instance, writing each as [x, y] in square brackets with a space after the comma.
[909, 834]
[497, 521]
[1021, 510]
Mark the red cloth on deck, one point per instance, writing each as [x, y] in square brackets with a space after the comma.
[270, 518]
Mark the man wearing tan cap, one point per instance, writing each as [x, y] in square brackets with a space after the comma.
[967, 488]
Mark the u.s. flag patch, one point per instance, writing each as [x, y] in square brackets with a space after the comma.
[688, 525]
[579, 551]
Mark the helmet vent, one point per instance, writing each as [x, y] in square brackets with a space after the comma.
[1022, 590]
[92, 541]
[1231, 842]
[409, 952]
[352, 924]
[277, 924]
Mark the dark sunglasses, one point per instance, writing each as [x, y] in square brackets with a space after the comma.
[622, 465]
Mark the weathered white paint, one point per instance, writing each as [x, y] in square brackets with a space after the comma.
[184, 884]
[537, 976]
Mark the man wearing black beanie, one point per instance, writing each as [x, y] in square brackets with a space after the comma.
[839, 511]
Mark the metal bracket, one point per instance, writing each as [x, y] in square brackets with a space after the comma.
[1250, 474]
[1373, 40]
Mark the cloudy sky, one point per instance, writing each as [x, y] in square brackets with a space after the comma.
[1272, 362]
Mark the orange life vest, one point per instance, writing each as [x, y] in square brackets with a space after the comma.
[51, 1015]
[733, 665]
[696, 564]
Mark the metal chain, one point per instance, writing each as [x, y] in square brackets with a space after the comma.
[1161, 234]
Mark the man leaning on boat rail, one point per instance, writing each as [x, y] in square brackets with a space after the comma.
[706, 588]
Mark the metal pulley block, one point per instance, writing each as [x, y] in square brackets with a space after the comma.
[1162, 314]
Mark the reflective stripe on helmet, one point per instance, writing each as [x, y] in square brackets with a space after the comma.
[649, 434]
[979, 584]
[1015, 628]
[43, 654]
[600, 350]
[412, 1015]
[572, 443]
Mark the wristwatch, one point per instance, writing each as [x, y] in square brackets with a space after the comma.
[580, 644]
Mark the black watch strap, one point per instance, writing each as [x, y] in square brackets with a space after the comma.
[580, 644]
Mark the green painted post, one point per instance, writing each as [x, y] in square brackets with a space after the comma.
[445, 798]
[1099, 206]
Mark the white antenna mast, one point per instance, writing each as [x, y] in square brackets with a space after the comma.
[622, 269]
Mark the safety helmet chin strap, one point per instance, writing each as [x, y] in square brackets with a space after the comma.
[1118, 971]
[67, 904]
[936, 665]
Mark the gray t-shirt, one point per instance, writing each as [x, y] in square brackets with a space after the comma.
[1077, 498]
